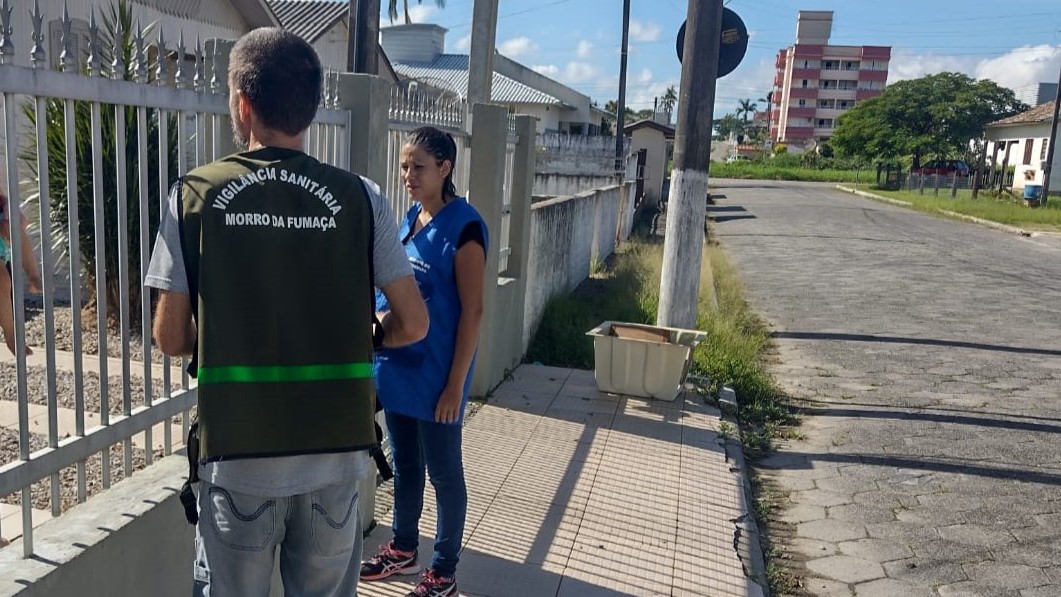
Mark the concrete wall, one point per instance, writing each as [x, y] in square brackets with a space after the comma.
[567, 235]
[564, 185]
[548, 116]
[130, 540]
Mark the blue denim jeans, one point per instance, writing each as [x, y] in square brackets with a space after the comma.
[318, 534]
[416, 444]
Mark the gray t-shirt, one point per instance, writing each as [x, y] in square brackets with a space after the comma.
[285, 475]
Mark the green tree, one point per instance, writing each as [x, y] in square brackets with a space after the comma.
[728, 125]
[747, 107]
[392, 9]
[55, 132]
[937, 115]
[669, 100]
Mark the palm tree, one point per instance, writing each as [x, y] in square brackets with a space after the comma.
[392, 9]
[747, 107]
[669, 99]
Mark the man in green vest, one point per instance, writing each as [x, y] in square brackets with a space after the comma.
[266, 264]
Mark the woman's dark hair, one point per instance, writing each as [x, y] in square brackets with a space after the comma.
[280, 74]
[442, 146]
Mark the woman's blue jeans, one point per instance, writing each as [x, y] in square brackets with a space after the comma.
[417, 444]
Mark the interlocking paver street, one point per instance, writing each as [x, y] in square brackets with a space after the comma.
[924, 355]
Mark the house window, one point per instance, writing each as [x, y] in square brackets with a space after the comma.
[1028, 151]
[802, 103]
[1044, 150]
[805, 83]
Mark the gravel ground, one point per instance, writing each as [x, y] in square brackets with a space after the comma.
[64, 334]
[68, 476]
[37, 385]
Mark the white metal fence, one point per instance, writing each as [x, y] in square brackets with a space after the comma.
[90, 149]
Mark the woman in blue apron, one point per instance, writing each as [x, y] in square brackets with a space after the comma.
[424, 387]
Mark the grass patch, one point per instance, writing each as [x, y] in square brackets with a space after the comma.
[761, 171]
[625, 288]
[1004, 208]
[734, 353]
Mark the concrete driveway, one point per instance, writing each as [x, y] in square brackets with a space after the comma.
[925, 357]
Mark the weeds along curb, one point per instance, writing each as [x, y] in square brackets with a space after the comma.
[747, 540]
[953, 214]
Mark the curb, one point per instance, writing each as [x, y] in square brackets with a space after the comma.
[747, 540]
[967, 218]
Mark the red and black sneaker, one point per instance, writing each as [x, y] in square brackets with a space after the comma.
[433, 585]
[388, 562]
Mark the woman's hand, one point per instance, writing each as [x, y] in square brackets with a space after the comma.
[448, 409]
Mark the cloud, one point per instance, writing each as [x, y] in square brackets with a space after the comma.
[417, 14]
[643, 32]
[1022, 66]
[578, 72]
[585, 48]
[549, 70]
[517, 47]
[644, 77]
[1016, 68]
[909, 65]
[464, 43]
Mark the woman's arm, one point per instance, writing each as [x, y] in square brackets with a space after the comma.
[469, 265]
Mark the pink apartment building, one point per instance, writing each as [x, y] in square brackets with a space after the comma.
[816, 82]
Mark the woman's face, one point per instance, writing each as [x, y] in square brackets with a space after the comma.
[423, 176]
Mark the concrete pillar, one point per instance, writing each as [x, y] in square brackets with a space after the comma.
[523, 162]
[486, 193]
[367, 98]
[481, 54]
[217, 54]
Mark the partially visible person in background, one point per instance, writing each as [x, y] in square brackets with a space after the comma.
[29, 265]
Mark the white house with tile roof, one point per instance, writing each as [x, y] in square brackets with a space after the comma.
[417, 52]
[1025, 138]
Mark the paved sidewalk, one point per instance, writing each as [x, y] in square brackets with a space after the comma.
[576, 493]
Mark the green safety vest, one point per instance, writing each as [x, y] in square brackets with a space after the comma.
[278, 249]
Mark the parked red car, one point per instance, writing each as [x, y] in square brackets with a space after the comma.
[944, 168]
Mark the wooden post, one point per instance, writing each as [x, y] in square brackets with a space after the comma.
[954, 185]
[1005, 168]
[935, 185]
[620, 116]
[980, 167]
[362, 55]
[684, 236]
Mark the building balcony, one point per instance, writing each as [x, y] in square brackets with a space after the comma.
[811, 74]
[876, 53]
[803, 93]
[873, 75]
[837, 94]
[808, 51]
[824, 132]
[799, 132]
[802, 112]
[864, 94]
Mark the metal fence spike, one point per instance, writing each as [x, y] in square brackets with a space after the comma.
[140, 57]
[7, 45]
[160, 59]
[178, 75]
[197, 79]
[215, 83]
[37, 54]
[118, 63]
[93, 61]
[66, 57]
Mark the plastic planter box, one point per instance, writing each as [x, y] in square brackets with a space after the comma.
[642, 360]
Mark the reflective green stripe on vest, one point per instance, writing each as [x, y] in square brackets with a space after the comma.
[279, 374]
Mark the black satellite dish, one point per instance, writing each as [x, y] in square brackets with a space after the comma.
[733, 46]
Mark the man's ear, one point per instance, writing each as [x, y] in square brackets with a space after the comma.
[244, 106]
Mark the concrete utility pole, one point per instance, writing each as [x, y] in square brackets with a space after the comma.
[481, 56]
[1048, 169]
[362, 54]
[620, 117]
[687, 207]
